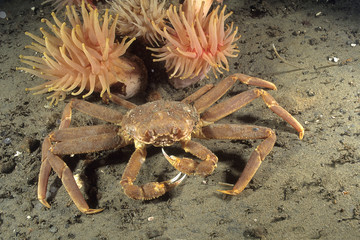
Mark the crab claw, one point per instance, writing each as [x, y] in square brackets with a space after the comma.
[176, 179]
[184, 165]
[172, 183]
[172, 159]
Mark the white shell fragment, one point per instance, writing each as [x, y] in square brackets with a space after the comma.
[333, 59]
[17, 154]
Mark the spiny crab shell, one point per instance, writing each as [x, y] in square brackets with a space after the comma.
[162, 122]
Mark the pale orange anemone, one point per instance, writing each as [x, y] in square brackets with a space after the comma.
[196, 42]
[83, 56]
[136, 17]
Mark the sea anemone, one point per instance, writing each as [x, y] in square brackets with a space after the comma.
[83, 56]
[136, 17]
[60, 4]
[195, 42]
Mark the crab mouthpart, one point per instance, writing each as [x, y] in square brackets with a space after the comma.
[162, 140]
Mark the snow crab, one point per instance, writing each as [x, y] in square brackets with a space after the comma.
[161, 123]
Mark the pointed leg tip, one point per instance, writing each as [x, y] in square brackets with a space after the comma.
[229, 192]
[45, 203]
[301, 134]
[92, 211]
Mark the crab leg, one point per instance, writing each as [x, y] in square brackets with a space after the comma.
[76, 145]
[94, 110]
[92, 143]
[149, 190]
[67, 178]
[191, 98]
[120, 101]
[232, 131]
[79, 132]
[188, 165]
[79, 142]
[44, 174]
[45, 167]
[233, 104]
[224, 85]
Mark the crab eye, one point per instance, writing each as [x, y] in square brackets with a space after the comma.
[149, 133]
[130, 130]
[175, 130]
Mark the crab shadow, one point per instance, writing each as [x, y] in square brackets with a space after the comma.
[232, 165]
[155, 168]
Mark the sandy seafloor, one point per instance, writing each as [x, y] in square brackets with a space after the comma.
[305, 189]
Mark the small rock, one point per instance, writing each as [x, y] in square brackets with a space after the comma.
[7, 167]
[310, 93]
[7, 141]
[53, 229]
[281, 39]
[296, 33]
[71, 236]
[258, 232]
[324, 38]
[269, 55]
[313, 41]
[154, 233]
